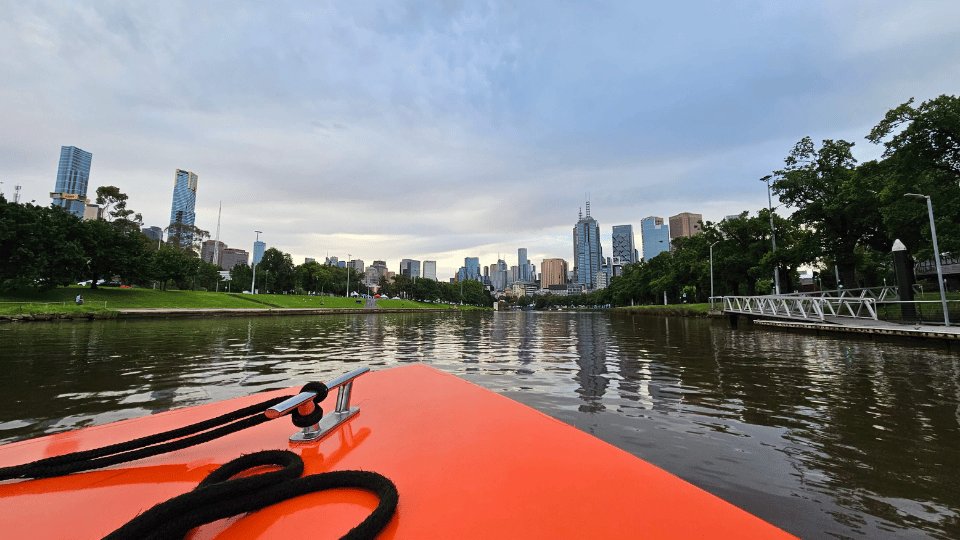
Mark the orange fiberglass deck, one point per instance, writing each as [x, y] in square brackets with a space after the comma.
[468, 463]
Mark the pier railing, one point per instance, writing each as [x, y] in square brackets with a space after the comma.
[801, 307]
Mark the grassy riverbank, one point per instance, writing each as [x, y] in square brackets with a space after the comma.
[100, 303]
[677, 310]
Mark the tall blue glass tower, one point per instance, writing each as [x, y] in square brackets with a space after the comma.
[73, 174]
[655, 236]
[184, 198]
[587, 255]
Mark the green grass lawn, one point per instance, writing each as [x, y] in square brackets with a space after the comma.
[671, 309]
[61, 300]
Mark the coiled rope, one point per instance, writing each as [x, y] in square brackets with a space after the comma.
[219, 495]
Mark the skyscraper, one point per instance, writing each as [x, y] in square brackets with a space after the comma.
[587, 255]
[685, 224]
[655, 237]
[258, 248]
[553, 272]
[472, 265]
[184, 203]
[523, 266]
[624, 245]
[430, 270]
[184, 198]
[73, 174]
[410, 268]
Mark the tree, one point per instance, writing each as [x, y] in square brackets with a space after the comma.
[832, 199]
[278, 269]
[114, 209]
[922, 157]
[40, 246]
[186, 237]
[171, 264]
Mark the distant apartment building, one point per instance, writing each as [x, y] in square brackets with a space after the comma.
[587, 254]
[258, 248]
[375, 272]
[655, 237]
[356, 265]
[685, 225]
[234, 256]
[212, 251]
[91, 212]
[624, 245]
[308, 260]
[430, 270]
[331, 261]
[73, 175]
[553, 272]
[154, 233]
[410, 268]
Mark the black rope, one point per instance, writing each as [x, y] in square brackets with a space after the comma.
[144, 446]
[218, 497]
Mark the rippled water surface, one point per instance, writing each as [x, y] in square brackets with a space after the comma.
[822, 436]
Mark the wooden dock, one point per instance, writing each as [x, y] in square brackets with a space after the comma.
[868, 327]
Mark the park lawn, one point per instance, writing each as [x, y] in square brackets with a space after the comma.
[111, 298]
[304, 301]
[687, 310]
[409, 304]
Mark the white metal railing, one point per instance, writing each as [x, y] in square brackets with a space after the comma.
[803, 307]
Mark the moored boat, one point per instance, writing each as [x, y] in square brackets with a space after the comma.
[466, 463]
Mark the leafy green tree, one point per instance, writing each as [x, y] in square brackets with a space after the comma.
[832, 199]
[40, 246]
[278, 269]
[171, 264]
[186, 237]
[241, 276]
[921, 155]
[113, 204]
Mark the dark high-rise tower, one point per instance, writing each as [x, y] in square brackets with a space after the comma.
[587, 255]
[73, 174]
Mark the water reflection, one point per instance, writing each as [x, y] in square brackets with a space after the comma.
[825, 437]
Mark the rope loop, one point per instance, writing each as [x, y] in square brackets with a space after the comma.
[220, 496]
[302, 421]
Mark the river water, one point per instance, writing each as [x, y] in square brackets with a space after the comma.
[825, 437]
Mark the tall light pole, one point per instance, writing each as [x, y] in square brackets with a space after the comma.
[348, 274]
[711, 270]
[253, 281]
[773, 234]
[936, 254]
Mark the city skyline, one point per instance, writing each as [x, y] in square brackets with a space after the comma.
[441, 131]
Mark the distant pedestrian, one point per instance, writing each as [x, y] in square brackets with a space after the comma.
[79, 300]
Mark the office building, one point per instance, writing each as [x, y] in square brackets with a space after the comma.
[308, 260]
[374, 273]
[234, 256]
[91, 212]
[331, 261]
[624, 245]
[212, 251]
[655, 237]
[258, 248]
[523, 266]
[498, 276]
[410, 268]
[587, 255]
[685, 225]
[73, 175]
[182, 210]
[430, 270]
[553, 272]
[154, 233]
[472, 266]
[356, 265]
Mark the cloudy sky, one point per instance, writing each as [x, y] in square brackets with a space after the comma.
[436, 130]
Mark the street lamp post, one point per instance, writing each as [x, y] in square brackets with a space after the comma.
[348, 274]
[711, 271]
[936, 254]
[773, 234]
[253, 281]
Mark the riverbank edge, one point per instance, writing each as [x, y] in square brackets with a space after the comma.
[670, 311]
[186, 313]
